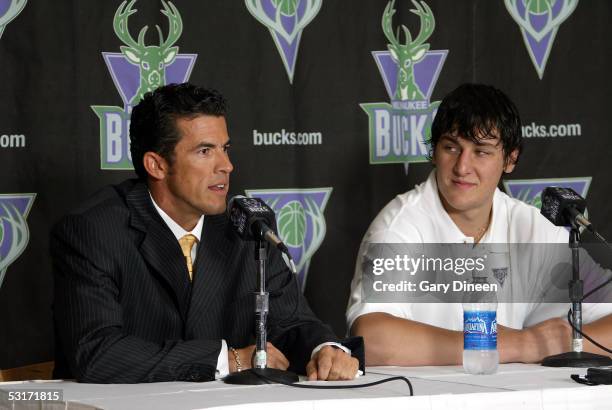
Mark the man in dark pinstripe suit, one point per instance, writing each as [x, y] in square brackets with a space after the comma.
[150, 283]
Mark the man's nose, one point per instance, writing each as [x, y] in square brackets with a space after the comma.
[463, 165]
[224, 164]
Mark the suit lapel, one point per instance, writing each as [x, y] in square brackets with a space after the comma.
[159, 248]
[211, 275]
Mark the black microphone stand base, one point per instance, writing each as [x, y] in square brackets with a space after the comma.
[577, 359]
[261, 376]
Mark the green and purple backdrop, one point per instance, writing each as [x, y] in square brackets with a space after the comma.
[330, 103]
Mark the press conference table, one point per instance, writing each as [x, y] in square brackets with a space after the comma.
[515, 386]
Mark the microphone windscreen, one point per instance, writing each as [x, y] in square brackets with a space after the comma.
[556, 204]
[245, 213]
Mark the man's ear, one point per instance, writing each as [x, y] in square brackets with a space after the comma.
[155, 165]
[511, 161]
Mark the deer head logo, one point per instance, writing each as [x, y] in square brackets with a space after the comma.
[411, 51]
[14, 8]
[152, 60]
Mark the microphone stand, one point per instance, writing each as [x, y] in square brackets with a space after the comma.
[576, 358]
[260, 373]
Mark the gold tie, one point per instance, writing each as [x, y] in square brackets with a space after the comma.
[186, 243]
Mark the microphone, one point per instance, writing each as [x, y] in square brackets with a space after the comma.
[251, 219]
[564, 207]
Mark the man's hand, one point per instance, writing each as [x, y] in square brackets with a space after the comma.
[331, 363]
[276, 359]
[532, 344]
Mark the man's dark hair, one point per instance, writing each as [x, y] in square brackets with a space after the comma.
[153, 122]
[475, 112]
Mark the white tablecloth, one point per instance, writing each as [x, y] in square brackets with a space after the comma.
[515, 386]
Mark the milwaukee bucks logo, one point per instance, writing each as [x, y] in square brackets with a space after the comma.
[410, 70]
[406, 54]
[539, 21]
[139, 68]
[14, 234]
[9, 9]
[300, 221]
[530, 190]
[285, 19]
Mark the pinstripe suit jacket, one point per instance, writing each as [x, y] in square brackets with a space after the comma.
[125, 311]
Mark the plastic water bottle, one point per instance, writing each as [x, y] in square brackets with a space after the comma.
[480, 354]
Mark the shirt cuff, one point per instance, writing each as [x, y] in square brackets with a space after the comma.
[322, 345]
[222, 362]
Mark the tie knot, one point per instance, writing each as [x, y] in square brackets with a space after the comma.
[186, 243]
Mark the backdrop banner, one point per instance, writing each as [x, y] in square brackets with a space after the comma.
[330, 105]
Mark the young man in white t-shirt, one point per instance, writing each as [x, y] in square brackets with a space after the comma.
[476, 138]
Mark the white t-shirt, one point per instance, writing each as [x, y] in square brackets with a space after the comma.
[418, 216]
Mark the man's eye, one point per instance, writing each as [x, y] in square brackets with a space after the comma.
[450, 148]
[482, 153]
[203, 151]
[226, 148]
